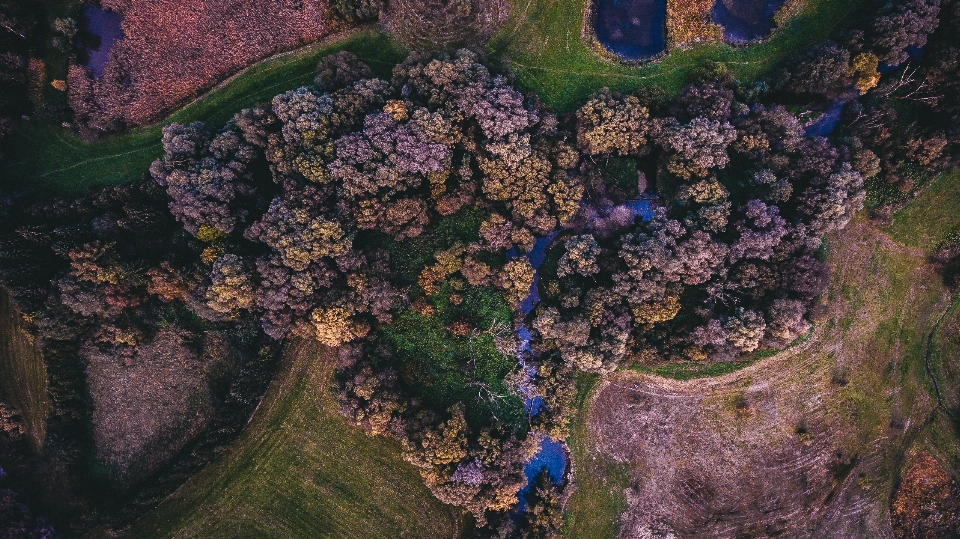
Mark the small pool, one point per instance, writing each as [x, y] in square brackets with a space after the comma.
[745, 20]
[552, 455]
[631, 29]
[105, 30]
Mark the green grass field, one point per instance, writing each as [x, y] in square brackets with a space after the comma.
[595, 506]
[23, 375]
[932, 216]
[46, 157]
[300, 471]
[542, 41]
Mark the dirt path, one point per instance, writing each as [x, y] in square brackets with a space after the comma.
[800, 444]
[926, 359]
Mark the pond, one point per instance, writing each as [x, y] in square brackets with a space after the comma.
[103, 30]
[552, 455]
[745, 20]
[631, 29]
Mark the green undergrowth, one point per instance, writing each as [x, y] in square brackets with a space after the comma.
[932, 217]
[46, 157]
[444, 368]
[594, 509]
[542, 41]
[299, 470]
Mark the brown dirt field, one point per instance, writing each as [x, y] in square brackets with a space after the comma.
[175, 49]
[804, 444]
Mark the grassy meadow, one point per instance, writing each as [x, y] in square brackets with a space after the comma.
[932, 217]
[299, 470]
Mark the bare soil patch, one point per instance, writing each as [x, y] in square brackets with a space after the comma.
[173, 50]
[804, 444]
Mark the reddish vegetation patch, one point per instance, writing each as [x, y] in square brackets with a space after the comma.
[175, 49]
[151, 400]
[927, 504]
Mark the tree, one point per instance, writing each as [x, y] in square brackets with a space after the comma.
[823, 70]
[206, 177]
[231, 288]
[580, 257]
[611, 123]
[903, 24]
[698, 146]
[298, 234]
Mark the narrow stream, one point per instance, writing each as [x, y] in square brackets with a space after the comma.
[552, 454]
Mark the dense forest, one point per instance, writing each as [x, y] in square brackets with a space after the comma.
[466, 250]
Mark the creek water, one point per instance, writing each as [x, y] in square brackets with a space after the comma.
[827, 122]
[106, 30]
[744, 20]
[631, 29]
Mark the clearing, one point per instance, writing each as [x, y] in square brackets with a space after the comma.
[807, 443]
[300, 471]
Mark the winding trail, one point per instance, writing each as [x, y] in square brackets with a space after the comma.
[926, 357]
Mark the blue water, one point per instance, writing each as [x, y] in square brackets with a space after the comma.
[552, 455]
[641, 208]
[828, 121]
[745, 20]
[106, 26]
[632, 29]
